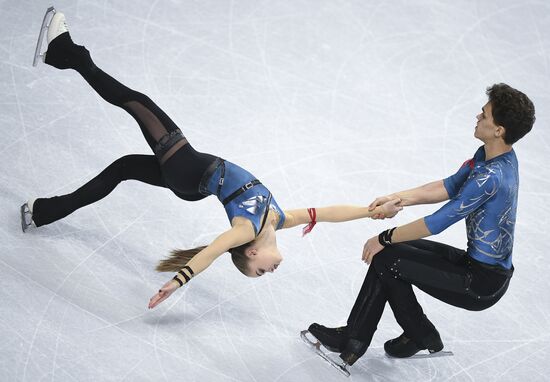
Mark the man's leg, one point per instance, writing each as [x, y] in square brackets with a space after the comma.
[364, 317]
[443, 272]
[353, 340]
[439, 269]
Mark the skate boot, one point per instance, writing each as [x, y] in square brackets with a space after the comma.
[334, 339]
[353, 350]
[57, 27]
[404, 347]
[62, 52]
[26, 215]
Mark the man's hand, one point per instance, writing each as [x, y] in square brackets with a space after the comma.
[379, 202]
[391, 208]
[371, 248]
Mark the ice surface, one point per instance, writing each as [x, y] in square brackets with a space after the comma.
[327, 102]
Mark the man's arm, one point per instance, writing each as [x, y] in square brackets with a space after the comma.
[475, 192]
[433, 192]
[411, 231]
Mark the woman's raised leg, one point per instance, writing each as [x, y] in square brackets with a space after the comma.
[161, 133]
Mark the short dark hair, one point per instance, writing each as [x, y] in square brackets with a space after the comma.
[512, 110]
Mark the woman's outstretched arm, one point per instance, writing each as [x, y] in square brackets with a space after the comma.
[342, 213]
[236, 236]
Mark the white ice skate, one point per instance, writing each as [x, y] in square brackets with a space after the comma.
[316, 346]
[26, 215]
[54, 24]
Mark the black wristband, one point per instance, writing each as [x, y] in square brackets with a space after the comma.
[178, 280]
[384, 238]
[381, 239]
[187, 278]
[190, 270]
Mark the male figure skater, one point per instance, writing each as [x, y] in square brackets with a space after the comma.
[484, 191]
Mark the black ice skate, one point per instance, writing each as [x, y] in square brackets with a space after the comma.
[333, 339]
[354, 349]
[316, 346]
[404, 347]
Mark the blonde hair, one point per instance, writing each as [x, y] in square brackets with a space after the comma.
[178, 258]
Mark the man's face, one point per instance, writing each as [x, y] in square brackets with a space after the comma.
[485, 128]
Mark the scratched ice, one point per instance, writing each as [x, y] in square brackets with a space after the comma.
[327, 102]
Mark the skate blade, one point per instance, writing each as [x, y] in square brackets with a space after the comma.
[426, 355]
[43, 29]
[316, 346]
[25, 212]
[433, 355]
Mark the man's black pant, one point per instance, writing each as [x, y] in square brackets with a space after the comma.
[442, 271]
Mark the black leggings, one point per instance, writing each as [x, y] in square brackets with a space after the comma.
[442, 271]
[175, 165]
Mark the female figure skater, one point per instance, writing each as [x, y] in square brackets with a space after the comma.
[252, 211]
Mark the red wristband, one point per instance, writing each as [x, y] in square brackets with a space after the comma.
[312, 216]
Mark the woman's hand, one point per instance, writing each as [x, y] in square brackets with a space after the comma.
[371, 248]
[163, 293]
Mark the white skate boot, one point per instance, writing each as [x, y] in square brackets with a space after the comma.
[26, 215]
[54, 23]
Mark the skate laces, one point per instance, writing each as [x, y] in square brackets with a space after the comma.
[62, 27]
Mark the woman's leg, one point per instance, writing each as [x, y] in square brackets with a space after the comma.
[184, 172]
[144, 168]
[161, 133]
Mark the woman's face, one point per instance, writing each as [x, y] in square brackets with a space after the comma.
[262, 259]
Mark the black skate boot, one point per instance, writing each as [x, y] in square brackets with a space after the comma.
[334, 339]
[353, 350]
[404, 347]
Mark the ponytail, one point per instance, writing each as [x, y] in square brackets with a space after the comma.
[178, 259]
